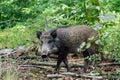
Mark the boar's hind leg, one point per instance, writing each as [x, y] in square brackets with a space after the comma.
[85, 60]
[91, 52]
[87, 53]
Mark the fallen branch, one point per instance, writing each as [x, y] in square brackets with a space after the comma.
[89, 76]
[30, 57]
[53, 64]
[69, 73]
[42, 63]
[54, 76]
[36, 66]
[108, 64]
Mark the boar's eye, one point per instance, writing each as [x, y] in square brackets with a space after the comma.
[41, 42]
[50, 41]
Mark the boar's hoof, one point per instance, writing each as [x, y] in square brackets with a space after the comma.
[55, 72]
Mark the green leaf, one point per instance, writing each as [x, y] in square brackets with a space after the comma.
[97, 42]
[91, 38]
[82, 45]
[88, 45]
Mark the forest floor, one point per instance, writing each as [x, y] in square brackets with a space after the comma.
[32, 67]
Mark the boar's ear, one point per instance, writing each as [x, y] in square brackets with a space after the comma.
[54, 34]
[38, 34]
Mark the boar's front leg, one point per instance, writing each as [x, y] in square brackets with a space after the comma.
[62, 57]
[66, 64]
[59, 60]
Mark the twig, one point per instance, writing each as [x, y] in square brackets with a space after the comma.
[46, 24]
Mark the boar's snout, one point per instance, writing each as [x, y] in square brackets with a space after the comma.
[45, 54]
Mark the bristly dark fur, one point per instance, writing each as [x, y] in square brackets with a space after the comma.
[63, 26]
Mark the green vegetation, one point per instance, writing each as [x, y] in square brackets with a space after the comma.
[110, 36]
[20, 19]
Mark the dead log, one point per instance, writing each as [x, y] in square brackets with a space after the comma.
[6, 51]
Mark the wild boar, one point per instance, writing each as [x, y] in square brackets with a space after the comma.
[64, 40]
